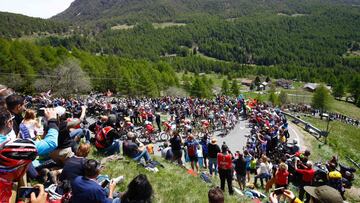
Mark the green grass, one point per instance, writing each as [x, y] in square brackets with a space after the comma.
[167, 24]
[216, 78]
[170, 184]
[345, 108]
[299, 95]
[343, 140]
[255, 95]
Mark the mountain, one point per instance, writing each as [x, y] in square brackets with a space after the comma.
[128, 11]
[16, 25]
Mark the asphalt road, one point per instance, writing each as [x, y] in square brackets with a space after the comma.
[236, 138]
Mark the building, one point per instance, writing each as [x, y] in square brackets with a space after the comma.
[311, 87]
[246, 82]
[287, 84]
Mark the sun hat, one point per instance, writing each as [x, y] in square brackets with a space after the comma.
[213, 141]
[325, 194]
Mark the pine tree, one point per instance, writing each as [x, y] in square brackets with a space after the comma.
[257, 81]
[235, 88]
[321, 99]
[338, 90]
[225, 87]
[283, 98]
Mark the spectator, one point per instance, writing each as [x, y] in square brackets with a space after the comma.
[240, 169]
[192, 145]
[6, 124]
[74, 166]
[225, 168]
[307, 178]
[4, 93]
[86, 189]
[166, 152]
[65, 142]
[264, 172]
[248, 159]
[48, 144]
[105, 138]
[16, 105]
[158, 121]
[213, 150]
[15, 156]
[134, 151]
[74, 126]
[139, 190]
[281, 176]
[323, 194]
[29, 125]
[176, 142]
[216, 195]
[204, 146]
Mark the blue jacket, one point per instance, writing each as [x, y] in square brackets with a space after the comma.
[86, 190]
[48, 144]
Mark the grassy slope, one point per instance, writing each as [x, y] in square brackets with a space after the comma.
[345, 108]
[170, 184]
[343, 140]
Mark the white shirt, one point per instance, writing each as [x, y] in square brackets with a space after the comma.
[264, 168]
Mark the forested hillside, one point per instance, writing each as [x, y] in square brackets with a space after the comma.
[22, 63]
[15, 25]
[125, 11]
[319, 39]
[123, 46]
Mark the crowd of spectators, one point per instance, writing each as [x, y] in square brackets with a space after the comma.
[59, 142]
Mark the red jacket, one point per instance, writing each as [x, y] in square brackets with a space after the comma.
[308, 174]
[281, 177]
[224, 161]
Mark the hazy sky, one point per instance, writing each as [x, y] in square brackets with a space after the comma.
[35, 8]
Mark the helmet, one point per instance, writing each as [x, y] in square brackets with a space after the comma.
[15, 158]
[335, 175]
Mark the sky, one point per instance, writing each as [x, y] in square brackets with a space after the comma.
[35, 8]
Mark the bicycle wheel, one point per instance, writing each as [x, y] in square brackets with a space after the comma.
[142, 138]
[164, 136]
[152, 138]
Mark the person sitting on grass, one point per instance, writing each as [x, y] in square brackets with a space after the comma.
[166, 152]
[74, 166]
[216, 195]
[134, 150]
[86, 189]
[139, 190]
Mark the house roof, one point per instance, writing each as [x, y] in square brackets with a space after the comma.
[246, 81]
[311, 86]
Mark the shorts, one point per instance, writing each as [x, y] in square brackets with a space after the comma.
[193, 158]
[251, 170]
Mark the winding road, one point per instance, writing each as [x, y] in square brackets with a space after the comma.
[236, 139]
